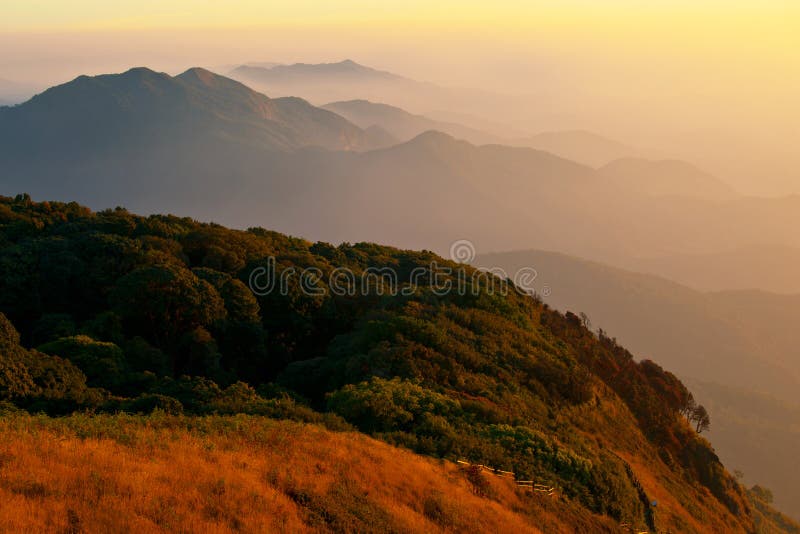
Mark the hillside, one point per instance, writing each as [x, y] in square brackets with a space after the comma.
[135, 314]
[756, 434]
[241, 474]
[739, 338]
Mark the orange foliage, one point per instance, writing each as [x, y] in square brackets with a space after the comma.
[242, 474]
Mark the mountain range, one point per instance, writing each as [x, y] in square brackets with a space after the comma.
[580, 146]
[321, 83]
[132, 106]
[326, 82]
[208, 146]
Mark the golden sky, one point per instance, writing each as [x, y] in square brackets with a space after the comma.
[704, 19]
[727, 30]
[757, 31]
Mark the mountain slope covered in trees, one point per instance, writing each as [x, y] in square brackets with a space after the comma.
[740, 339]
[128, 313]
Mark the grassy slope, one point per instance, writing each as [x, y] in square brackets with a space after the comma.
[250, 474]
[121, 474]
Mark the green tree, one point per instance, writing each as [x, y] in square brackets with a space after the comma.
[163, 302]
[381, 405]
[102, 362]
[240, 303]
[762, 493]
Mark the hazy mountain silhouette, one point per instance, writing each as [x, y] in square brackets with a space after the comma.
[142, 104]
[665, 177]
[207, 146]
[768, 267]
[326, 82]
[402, 124]
[347, 80]
[262, 64]
[580, 146]
[304, 71]
[743, 339]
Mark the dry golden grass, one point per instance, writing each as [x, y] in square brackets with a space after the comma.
[244, 474]
[671, 514]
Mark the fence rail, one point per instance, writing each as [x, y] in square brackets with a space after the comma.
[526, 484]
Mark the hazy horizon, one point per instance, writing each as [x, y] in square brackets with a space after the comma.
[714, 84]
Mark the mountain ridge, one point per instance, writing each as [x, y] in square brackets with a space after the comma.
[666, 177]
[345, 67]
[210, 147]
[577, 145]
[739, 338]
[197, 100]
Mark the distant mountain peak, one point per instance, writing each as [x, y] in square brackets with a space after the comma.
[346, 67]
[358, 67]
[140, 71]
[135, 73]
[200, 77]
[198, 72]
[434, 137]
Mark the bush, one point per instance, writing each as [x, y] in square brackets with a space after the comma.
[150, 402]
[103, 363]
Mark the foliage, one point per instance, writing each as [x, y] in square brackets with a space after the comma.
[153, 315]
[102, 362]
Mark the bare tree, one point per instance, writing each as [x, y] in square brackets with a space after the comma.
[701, 419]
[689, 406]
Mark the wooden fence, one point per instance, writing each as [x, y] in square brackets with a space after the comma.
[526, 484]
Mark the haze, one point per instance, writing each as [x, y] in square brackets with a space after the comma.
[714, 84]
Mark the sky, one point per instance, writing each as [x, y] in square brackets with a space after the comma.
[669, 74]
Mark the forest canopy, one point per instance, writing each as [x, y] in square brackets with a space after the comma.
[110, 312]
